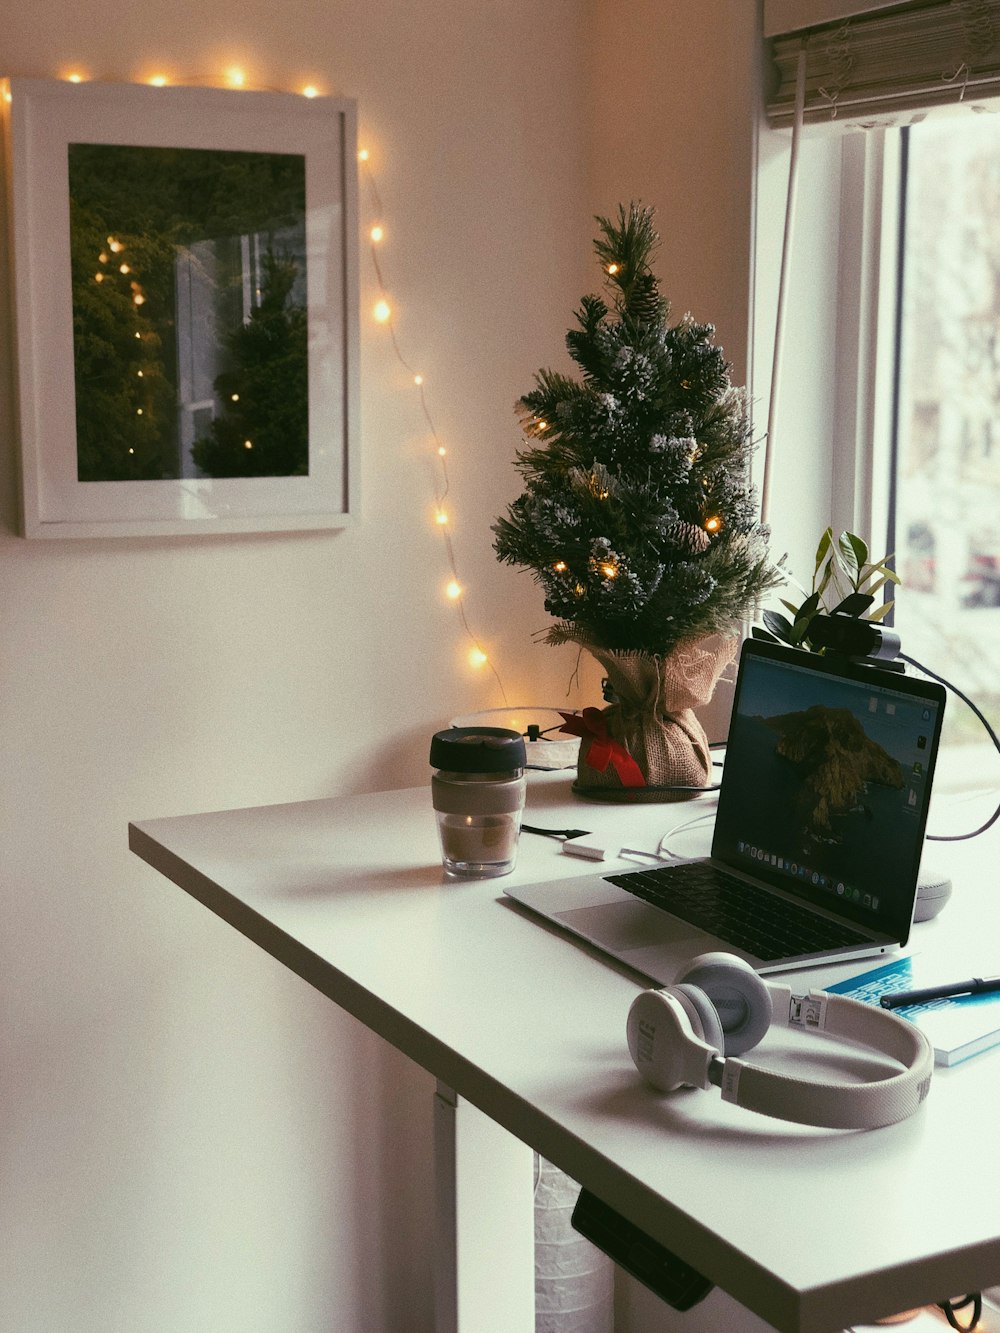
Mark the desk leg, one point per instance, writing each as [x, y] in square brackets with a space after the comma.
[484, 1244]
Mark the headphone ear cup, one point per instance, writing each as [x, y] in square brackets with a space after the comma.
[740, 998]
[703, 1014]
[666, 1041]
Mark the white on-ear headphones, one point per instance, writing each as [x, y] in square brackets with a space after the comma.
[689, 1035]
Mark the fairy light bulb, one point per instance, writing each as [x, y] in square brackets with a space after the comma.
[376, 234]
[418, 380]
[310, 90]
[382, 312]
[441, 518]
[442, 451]
[560, 566]
[612, 269]
[158, 81]
[453, 591]
[609, 571]
[363, 155]
[713, 524]
[235, 77]
[477, 658]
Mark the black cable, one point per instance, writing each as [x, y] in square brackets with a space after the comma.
[563, 834]
[952, 1307]
[959, 837]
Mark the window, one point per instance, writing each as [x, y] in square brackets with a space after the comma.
[888, 402]
[944, 509]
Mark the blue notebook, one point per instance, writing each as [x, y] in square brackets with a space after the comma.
[958, 1027]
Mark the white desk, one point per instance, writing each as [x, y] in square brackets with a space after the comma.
[811, 1229]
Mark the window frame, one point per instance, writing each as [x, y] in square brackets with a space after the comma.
[832, 442]
[852, 257]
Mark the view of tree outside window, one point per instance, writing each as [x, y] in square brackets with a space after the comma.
[947, 511]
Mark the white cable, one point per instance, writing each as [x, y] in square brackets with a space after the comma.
[680, 828]
[786, 245]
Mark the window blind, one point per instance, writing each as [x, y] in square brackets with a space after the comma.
[889, 65]
[784, 16]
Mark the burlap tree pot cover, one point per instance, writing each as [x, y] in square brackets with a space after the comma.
[649, 743]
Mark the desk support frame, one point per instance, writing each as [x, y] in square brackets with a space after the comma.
[484, 1241]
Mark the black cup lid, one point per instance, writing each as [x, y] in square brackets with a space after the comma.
[477, 750]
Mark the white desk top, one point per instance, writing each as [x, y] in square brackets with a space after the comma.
[811, 1229]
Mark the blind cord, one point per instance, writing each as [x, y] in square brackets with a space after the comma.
[786, 245]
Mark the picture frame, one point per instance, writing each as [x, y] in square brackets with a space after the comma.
[185, 290]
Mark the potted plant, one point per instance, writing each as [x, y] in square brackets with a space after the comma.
[845, 582]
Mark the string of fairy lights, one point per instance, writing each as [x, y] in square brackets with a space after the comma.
[382, 312]
[110, 263]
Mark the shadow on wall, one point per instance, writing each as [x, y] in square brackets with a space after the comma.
[401, 761]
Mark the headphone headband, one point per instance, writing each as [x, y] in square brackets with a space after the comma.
[836, 1104]
[673, 1046]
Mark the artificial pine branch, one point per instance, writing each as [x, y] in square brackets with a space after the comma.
[637, 518]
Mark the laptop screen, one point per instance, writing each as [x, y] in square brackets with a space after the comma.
[827, 781]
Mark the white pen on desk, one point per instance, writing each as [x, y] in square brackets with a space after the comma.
[974, 986]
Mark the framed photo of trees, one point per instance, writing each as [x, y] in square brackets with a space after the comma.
[185, 308]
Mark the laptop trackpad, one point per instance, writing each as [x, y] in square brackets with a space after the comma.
[625, 926]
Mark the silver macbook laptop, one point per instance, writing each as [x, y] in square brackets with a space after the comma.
[818, 833]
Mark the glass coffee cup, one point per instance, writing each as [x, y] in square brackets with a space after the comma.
[478, 790]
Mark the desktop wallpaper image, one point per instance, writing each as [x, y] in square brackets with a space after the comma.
[832, 792]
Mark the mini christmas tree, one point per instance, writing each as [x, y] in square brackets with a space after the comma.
[637, 517]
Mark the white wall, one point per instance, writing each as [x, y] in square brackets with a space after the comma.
[189, 1138]
[676, 107]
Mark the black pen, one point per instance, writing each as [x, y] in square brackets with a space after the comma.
[974, 986]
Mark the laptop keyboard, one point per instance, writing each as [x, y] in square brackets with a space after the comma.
[744, 916]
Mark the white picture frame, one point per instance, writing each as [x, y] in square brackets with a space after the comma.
[60, 497]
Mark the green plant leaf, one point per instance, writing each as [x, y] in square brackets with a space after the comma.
[881, 612]
[757, 633]
[825, 580]
[888, 575]
[854, 551]
[825, 542]
[804, 617]
[853, 605]
[808, 608]
[779, 625]
[878, 585]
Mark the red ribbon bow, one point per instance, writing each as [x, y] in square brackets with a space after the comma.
[599, 750]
